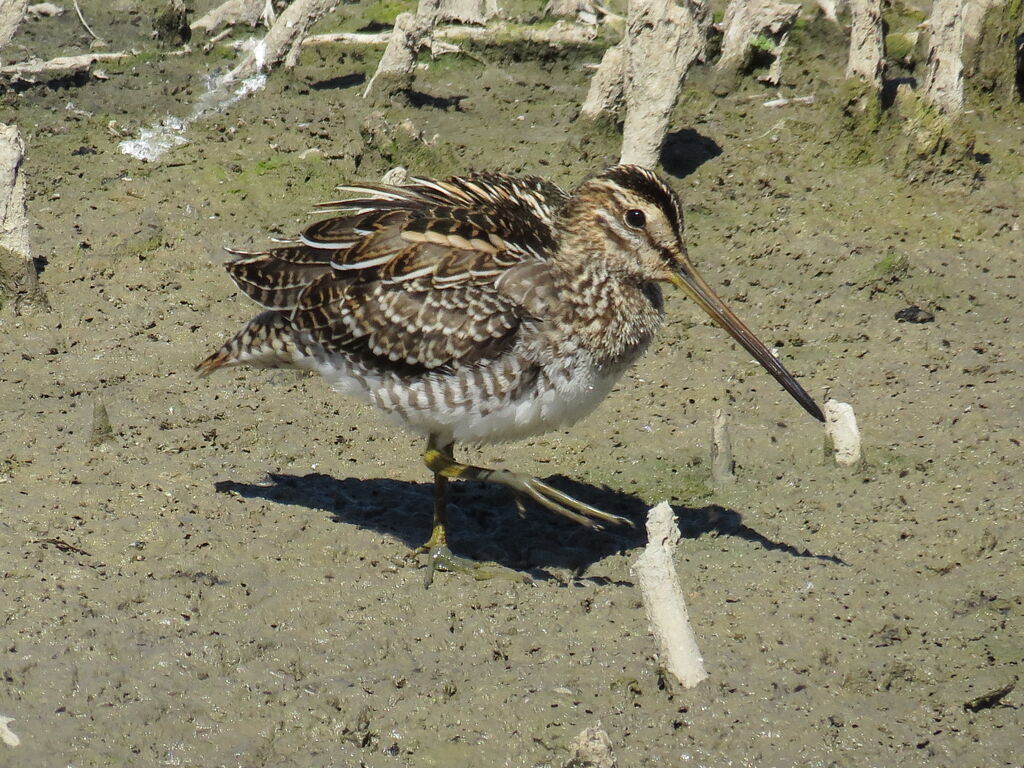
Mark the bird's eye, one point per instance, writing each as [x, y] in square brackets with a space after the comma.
[635, 218]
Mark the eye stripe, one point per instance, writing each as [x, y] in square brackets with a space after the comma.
[669, 258]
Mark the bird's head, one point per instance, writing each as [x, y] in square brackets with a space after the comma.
[629, 217]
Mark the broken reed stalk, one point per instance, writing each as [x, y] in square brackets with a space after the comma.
[663, 598]
[467, 11]
[645, 71]
[747, 23]
[867, 51]
[607, 86]
[662, 40]
[944, 69]
[12, 12]
[283, 40]
[396, 67]
[229, 13]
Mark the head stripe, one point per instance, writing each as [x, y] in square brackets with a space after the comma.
[647, 185]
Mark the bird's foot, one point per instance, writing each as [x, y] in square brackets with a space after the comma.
[552, 498]
[440, 558]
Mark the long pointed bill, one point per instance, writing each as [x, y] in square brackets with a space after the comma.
[694, 286]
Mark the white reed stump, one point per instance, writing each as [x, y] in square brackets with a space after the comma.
[467, 11]
[566, 9]
[18, 279]
[842, 436]
[11, 14]
[662, 41]
[723, 467]
[744, 21]
[867, 46]
[13, 210]
[831, 8]
[7, 736]
[774, 75]
[944, 69]
[229, 13]
[607, 85]
[585, 11]
[656, 576]
[974, 16]
[396, 67]
[396, 177]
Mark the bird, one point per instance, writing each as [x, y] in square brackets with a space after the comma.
[478, 309]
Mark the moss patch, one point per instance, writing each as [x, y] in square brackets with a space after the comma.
[990, 61]
[933, 142]
[891, 268]
[899, 46]
[861, 108]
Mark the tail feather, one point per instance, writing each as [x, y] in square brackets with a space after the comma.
[267, 341]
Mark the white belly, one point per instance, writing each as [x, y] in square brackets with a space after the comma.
[552, 402]
[542, 411]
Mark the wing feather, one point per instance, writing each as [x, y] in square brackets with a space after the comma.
[409, 276]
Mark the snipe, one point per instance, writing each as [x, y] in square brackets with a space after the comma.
[479, 309]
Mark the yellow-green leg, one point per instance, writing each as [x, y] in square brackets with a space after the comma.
[441, 461]
[439, 531]
[436, 547]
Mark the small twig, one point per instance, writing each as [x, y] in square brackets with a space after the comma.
[991, 698]
[355, 38]
[780, 125]
[62, 545]
[218, 37]
[85, 24]
[786, 102]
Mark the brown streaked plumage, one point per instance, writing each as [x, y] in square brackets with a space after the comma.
[479, 309]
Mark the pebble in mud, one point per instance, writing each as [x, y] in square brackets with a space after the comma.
[592, 749]
[914, 314]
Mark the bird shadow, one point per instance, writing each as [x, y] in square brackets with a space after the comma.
[683, 152]
[350, 80]
[420, 99]
[485, 525]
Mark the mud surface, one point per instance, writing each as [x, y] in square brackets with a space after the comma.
[223, 577]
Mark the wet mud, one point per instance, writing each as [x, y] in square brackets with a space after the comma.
[217, 572]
